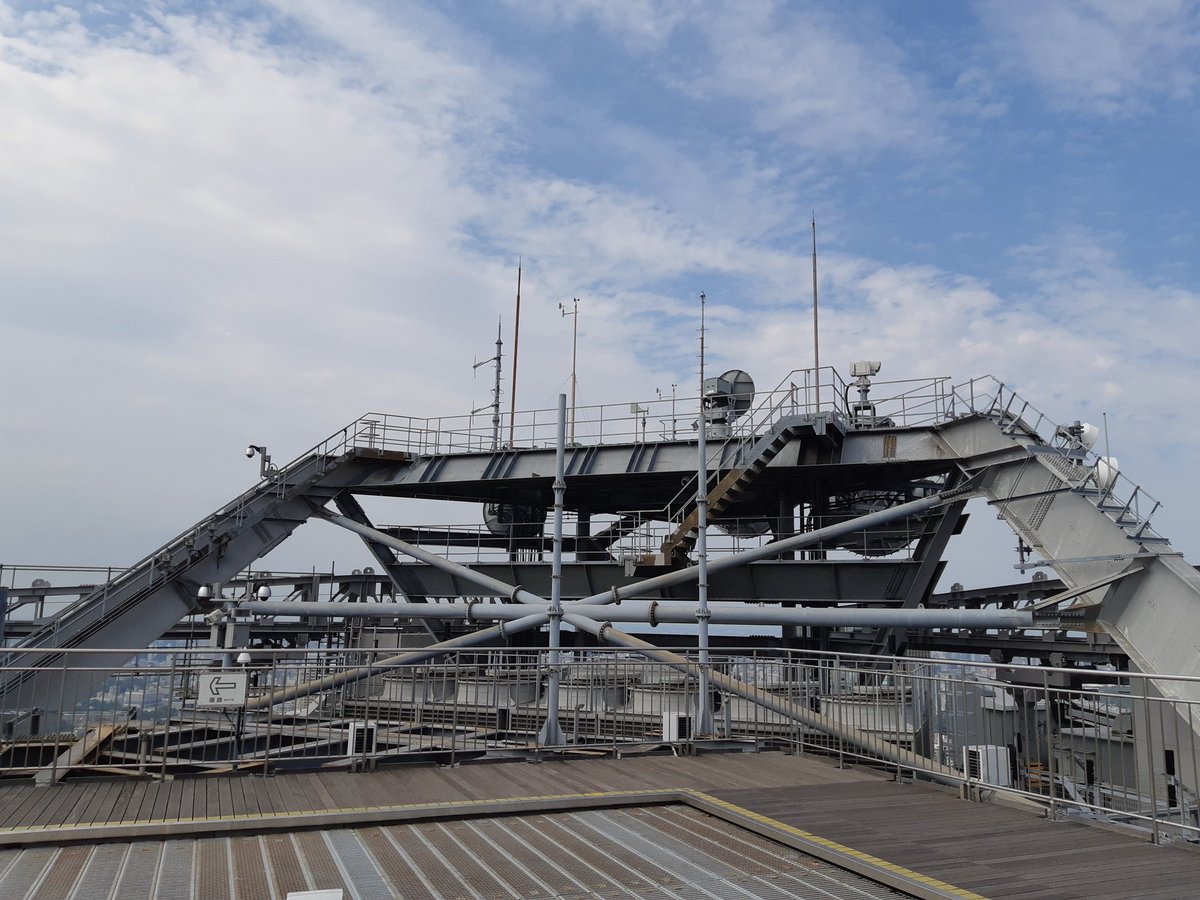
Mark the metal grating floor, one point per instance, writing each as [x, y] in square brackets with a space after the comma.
[650, 852]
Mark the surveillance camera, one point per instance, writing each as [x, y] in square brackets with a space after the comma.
[865, 368]
[250, 451]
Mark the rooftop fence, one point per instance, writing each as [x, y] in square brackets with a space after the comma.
[1112, 748]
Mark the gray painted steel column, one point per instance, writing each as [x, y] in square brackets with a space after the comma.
[551, 734]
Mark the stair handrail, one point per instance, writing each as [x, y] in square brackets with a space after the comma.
[986, 396]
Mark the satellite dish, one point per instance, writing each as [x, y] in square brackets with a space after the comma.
[1088, 435]
[731, 394]
[1106, 471]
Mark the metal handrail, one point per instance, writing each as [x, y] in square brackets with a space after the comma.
[935, 706]
[986, 396]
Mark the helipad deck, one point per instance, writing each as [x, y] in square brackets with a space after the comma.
[921, 834]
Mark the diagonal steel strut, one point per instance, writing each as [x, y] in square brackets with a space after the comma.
[519, 594]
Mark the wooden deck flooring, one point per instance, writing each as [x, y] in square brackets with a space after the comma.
[989, 849]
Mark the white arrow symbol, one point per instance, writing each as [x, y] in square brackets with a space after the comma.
[217, 687]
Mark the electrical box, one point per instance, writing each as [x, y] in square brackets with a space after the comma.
[676, 726]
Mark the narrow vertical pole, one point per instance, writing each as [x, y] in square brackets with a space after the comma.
[574, 313]
[704, 722]
[551, 734]
[816, 332]
[512, 413]
[496, 391]
[574, 358]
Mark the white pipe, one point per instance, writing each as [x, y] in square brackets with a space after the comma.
[647, 613]
[667, 579]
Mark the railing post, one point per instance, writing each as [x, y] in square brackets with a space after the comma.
[1051, 743]
[1156, 836]
[266, 759]
[454, 717]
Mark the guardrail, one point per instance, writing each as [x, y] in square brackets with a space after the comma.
[1111, 748]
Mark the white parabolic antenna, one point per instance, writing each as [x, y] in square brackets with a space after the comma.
[732, 393]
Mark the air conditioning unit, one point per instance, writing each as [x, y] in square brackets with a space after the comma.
[676, 726]
[360, 739]
[988, 763]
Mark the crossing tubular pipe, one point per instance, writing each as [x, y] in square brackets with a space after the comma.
[500, 589]
[667, 579]
[654, 613]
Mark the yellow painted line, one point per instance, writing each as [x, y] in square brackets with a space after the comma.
[875, 861]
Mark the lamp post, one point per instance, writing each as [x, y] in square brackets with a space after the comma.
[574, 313]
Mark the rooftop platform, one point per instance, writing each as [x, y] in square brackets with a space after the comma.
[326, 830]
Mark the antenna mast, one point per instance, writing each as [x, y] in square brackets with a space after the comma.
[704, 722]
[512, 413]
[574, 313]
[495, 389]
[816, 342]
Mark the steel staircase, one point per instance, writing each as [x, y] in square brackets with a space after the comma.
[135, 608]
[1092, 527]
[726, 492]
[1066, 462]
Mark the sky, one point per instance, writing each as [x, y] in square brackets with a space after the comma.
[254, 222]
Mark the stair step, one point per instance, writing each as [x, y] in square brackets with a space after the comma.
[1148, 538]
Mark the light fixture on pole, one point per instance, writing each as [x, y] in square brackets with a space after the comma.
[574, 313]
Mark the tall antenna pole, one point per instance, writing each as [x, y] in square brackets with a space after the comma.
[704, 722]
[816, 333]
[495, 388]
[574, 312]
[512, 413]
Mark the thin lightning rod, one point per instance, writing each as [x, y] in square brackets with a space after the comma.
[512, 412]
[816, 339]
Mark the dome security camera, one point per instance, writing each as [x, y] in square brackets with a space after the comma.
[250, 451]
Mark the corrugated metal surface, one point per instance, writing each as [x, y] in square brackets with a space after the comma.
[654, 852]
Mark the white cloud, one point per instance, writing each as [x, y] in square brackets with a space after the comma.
[213, 235]
[647, 24]
[823, 83]
[816, 83]
[1100, 56]
[207, 235]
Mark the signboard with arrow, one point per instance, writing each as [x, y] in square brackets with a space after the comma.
[222, 689]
